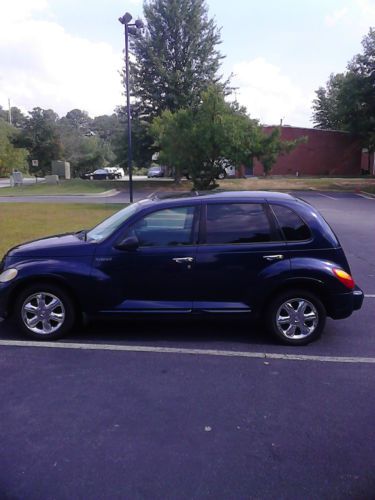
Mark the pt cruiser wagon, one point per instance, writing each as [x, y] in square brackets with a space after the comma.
[256, 254]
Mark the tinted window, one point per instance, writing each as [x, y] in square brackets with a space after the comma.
[292, 225]
[237, 223]
[172, 226]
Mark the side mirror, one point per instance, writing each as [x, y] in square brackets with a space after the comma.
[128, 243]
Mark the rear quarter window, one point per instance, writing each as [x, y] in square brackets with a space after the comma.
[237, 223]
[291, 224]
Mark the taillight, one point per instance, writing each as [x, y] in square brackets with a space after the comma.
[344, 277]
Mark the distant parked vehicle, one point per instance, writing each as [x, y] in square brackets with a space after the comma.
[228, 171]
[108, 173]
[155, 171]
[221, 173]
[116, 171]
[98, 175]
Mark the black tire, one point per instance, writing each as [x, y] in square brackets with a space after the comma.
[222, 175]
[295, 328]
[62, 309]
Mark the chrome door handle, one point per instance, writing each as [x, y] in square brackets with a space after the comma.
[273, 257]
[181, 260]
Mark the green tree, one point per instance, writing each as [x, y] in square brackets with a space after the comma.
[326, 105]
[79, 120]
[84, 151]
[176, 58]
[107, 127]
[4, 114]
[174, 137]
[41, 137]
[198, 140]
[11, 157]
[348, 101]
[18, 119]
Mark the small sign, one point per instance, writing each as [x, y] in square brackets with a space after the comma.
[35, 163]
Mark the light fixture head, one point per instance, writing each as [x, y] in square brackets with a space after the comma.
[126, 18]
[139, 24]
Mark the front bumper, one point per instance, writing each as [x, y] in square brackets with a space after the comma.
[342, 305]
[5, 299]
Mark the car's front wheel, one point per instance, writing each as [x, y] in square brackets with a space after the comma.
[296, 317]
[44, 311]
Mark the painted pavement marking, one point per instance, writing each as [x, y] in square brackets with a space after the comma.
[196, 352]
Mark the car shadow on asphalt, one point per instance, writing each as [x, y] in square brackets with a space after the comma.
[161, 331]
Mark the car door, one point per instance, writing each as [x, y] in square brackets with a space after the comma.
[240, 252]
[157, 275]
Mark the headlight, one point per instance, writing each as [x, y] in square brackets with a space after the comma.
[8, 275]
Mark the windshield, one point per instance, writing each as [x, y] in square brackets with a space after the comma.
[108, 226]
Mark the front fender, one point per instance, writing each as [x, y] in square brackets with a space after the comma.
[74, 275]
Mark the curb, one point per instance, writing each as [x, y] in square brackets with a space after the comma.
[105, 194]
[110, 192]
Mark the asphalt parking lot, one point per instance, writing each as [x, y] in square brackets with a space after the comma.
[191, 410]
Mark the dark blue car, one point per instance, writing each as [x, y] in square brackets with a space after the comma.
[262, 255]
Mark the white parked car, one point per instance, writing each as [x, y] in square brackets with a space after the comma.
[116, 171]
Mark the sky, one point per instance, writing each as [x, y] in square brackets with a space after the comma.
[66, 54]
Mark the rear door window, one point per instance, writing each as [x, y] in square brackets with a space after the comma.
[291, 224]
[237, 223]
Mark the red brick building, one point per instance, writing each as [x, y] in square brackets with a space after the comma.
[326, 152]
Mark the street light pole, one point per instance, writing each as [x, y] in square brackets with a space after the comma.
[130, 151]
[125, 20]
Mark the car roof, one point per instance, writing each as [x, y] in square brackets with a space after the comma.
[222, 195]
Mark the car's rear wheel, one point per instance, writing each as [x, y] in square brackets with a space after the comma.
[44, 311]
[296, 317]
[221, 175]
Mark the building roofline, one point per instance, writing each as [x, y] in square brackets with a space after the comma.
[308, 128]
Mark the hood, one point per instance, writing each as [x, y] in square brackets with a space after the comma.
[62, 245]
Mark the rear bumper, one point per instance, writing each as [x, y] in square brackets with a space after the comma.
[342, 305]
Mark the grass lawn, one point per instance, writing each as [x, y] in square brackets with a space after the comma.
[74, 186]
[20, 222]
[80, 186]
[301, 183]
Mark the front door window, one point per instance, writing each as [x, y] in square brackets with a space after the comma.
[164, 228]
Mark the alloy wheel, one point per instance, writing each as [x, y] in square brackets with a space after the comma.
[43, 313]
[297, 318]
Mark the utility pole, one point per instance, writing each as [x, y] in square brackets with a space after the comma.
[9, 112]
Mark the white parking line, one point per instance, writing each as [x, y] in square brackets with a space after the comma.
[365, 196]
[327, 196]
[194, 352]
[370, 295]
